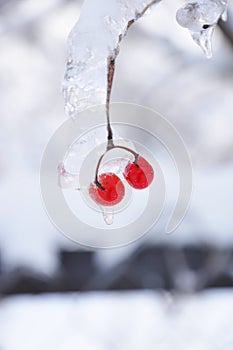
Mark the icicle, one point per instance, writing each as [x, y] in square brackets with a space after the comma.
[201, 17]
[204, 40]
[108, 215]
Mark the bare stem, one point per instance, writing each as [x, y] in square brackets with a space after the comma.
[111, 69]
[98, 184]
[136, 155]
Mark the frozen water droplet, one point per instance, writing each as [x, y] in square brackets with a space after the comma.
[204, 40]
[108, 215]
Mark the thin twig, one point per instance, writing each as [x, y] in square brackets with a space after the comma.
[111, 69]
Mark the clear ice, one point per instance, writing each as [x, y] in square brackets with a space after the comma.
[108, 215]
[93, 39]
[201, 17]
[66, 179]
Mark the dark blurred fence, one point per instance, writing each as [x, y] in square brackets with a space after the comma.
[186, 269]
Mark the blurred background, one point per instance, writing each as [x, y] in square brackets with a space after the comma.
[163, 291]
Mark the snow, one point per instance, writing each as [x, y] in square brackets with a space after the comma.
[127, 320]
[25, 240]
[208, 219]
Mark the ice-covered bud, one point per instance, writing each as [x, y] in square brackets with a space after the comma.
[202, 13]
[201, 17]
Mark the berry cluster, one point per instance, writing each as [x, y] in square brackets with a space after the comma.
[108, 188]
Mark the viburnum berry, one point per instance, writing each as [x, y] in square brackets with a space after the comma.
[139, 174]
[108, 190]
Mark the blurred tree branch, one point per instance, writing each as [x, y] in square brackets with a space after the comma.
[227, 27]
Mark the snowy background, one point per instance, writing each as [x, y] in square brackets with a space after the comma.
[160, 67]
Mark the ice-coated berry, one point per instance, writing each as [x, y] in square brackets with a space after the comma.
[111, 191]
[139, 175]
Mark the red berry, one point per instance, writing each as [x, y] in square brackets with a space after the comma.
[139, 176]
[112, 190]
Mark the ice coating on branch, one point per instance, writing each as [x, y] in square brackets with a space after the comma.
[201, 17]
[94, 38]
